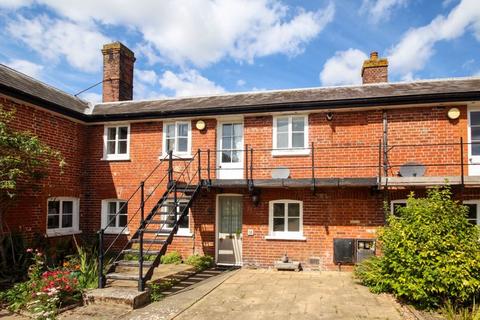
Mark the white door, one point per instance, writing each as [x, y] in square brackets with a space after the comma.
[229, 228]
[474, 142]
[230, 154]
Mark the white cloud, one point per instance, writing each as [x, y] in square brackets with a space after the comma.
[417, 45]
[91, 97]
[241, 83]
[55, 38]
[146, 76]
[379, 10]
[203, 32]
[188, 83]
[29, 68]
[343, 68]
[14, 4]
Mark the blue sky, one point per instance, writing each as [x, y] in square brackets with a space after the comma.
[198, 47]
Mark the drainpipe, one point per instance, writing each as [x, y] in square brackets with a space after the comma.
[385, 143]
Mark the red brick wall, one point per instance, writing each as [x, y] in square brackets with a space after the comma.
[29, 213]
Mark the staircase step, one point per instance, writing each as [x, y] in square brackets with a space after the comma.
[158, 231]
[147, 253]
[121, 276]
[160, 221]
[148, 241]
[132, 263]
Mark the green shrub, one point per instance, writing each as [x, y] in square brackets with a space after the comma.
[431, 253]
[157, 289]
[200, 262]
[173, 257]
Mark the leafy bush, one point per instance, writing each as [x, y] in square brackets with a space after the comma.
[157, 289]
[431, 253]
[200, 262]
[173, 257]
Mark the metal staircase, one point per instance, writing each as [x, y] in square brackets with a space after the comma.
[156, 231]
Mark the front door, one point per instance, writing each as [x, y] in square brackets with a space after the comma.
[230, 146]
[229, 246]
[474, 145]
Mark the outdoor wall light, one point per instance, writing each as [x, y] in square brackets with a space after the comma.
[329, 116]
[200, 125]
[453, 113]
[256, 199]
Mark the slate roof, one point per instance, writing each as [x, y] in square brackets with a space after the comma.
[424, 91]
[19, 83]
[327, 96]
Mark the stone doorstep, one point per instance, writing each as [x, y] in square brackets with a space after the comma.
[126, 292]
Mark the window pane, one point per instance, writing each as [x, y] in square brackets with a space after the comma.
[396, 206]
[237, 143]
[111, 147]
[182, 145]
[67, 221]
[123, 207]
[122, 220]
[298, 124]
[183, 130]
[170, 130]
[282, 125]
[226, 143]
[237, 130]
[112, 207]
[67, 207]
[475, 148]
[282, 140]
[294, 225]
[111, 220]
[472, 212]
[294, 210]
[278, 209]
[53, 207]
[111, 133]
[53, 221]
[227, 130]
[184, 223]
[278, 224]
[122, 133]
[226, 156]
[474, 118]
[298, 140]
[170, 145]
[235, 156]
[122, 147]
[475, 131]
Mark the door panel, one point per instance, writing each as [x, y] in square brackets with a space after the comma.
[229, 230]
[230, 154]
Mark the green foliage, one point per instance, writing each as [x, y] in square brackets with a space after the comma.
[85, 262]
[431, 254]
[173, 257]
[157, 289]
[23, 156]
[450, 312]
[200, 262]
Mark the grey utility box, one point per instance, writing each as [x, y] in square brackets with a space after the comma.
[350, 251]
[364, 249]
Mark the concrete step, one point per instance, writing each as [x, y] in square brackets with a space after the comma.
[122, 276]
[145, 252]
[130, 297]
[132, 263]
[149, 241]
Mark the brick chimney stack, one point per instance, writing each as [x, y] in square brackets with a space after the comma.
[375, 70]
[118, 63]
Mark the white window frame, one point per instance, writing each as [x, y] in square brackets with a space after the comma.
[477, 202]
[74, 229]
[290, 150]
[116, 155]
[394, 202]
[104, 217]
[182, 154]
[183, 232]
[284, 235]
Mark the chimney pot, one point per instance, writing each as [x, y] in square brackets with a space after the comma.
[375, 70]
[118, 63]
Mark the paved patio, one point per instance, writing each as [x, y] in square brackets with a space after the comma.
[267, 294]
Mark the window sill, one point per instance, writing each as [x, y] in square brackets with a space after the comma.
[116, 231]
[176, 156]
[125, 158]
[291, 238]
[290, 153]
[60, 233]
[178, 234]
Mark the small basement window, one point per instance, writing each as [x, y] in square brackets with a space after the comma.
[62, 216]
[395, 204]
[116, 142]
